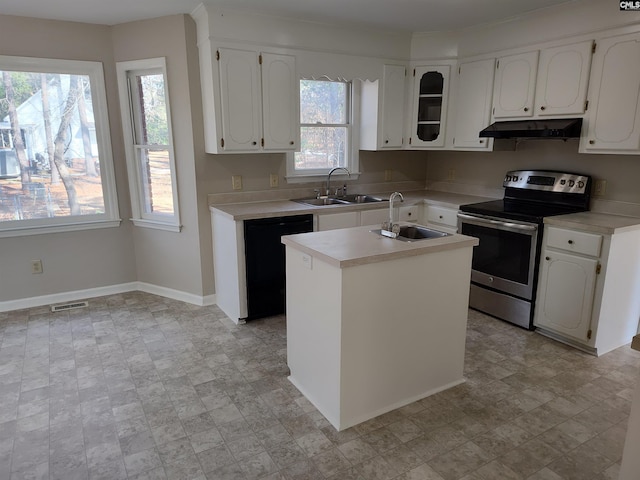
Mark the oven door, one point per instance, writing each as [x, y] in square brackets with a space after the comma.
[505, 258]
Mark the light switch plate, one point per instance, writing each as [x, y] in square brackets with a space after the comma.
[273, 180]
[307, 261]
[236, 182]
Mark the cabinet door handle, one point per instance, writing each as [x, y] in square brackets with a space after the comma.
[386, 141]
[254, 143]
[291, 142]
[526, 109]
[547, 258]
[570, 242]
[591, 142]
[543, 107]
[481, 141]
[440, 217]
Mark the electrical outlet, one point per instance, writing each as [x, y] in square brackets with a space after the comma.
[451, 174]
[236, 182]
[388, 175]
[36, 266]
[600, 187]
[273, 180]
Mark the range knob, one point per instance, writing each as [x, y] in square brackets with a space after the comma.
[580, 184]
[572, 183]
[563, 182]
[507, 178]
[514, 178]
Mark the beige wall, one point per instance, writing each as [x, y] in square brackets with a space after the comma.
[486, 170]
[75, 260]
[169, 259]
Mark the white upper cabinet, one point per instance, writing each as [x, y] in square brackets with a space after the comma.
[382, 110]
[430, 95]
[563, 77]
[612, 122]
[240, 100]
[514, 88]
[473, 104]
[250, 100]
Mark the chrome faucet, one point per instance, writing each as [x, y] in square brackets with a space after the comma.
[328, 191]
[393, 196]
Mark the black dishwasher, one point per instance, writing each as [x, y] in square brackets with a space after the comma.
[265, 261]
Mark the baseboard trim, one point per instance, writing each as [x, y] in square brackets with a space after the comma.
[62, 297]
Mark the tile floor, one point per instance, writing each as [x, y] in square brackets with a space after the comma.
[142, 387]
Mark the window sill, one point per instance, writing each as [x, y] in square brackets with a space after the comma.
[314, 177]
[157, 225]
[46, 229]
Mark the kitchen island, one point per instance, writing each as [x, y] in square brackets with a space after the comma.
[374, 323]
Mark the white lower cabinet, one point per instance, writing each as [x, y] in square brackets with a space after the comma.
[442, 218]
[587, 288]
[331, 221]
[565, 298]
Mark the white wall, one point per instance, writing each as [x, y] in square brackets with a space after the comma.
[75, 260]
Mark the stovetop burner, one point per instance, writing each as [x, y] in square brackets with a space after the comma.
[531, 195]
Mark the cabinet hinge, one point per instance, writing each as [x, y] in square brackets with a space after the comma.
[218, 55]
[589, 333]
[593, 47]
[586, 105]
[498, 64]
[260, 59]
[493, 110]
[459, 68]
[222, 142]
[598, 269]
[262, 142]
[409, 140]
[414, 72]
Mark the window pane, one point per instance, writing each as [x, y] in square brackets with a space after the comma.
[323, 102]
[152, 128]
[321, 147]
[155, 178]
[49, 158]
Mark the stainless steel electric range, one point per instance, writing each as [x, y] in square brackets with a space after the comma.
[504, 271]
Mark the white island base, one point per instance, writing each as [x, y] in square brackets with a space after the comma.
[366, 339]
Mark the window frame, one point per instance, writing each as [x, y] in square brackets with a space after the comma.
[353, 139]
[111, 216]
[140, 217]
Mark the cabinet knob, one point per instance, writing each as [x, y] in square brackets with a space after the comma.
[409, 214]
[570, 242]
[481, 141]
[440, 217]
[547, 258]
[526, 109]
[543, 107]
[254, 143]
[291, 142]
[386, 141]
[591, 142]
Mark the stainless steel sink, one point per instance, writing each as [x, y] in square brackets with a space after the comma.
[361, 198]
[346, 200]
[321, 201]
[413, 233]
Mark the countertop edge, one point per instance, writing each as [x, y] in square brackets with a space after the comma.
[606, 224]
[423, 247]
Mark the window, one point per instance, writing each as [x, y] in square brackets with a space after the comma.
[146, 122]
[326, 121]
[56, 171]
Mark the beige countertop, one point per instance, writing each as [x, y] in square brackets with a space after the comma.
[603, 223]
[251, 210]
[350, 247]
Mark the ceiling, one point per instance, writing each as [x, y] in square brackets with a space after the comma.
[395, 15]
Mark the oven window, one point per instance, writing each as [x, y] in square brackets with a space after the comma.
[501, 254]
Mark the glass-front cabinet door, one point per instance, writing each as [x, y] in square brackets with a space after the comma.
[431, 85]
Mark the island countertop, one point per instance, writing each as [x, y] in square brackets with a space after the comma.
[349, 247]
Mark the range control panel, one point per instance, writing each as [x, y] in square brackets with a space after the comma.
[548, 181]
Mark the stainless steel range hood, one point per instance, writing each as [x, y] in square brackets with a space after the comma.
[541, 128]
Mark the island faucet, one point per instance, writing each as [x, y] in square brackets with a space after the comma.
[328, 191]
[393, 196]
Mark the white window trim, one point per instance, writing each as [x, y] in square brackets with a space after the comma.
[111, 217]
[139, 217]
[353, 165]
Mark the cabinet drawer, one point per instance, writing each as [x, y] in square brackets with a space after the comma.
[574, 241]
[442, 215]
[410, 214]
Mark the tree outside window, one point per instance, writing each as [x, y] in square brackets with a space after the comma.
[52, 145]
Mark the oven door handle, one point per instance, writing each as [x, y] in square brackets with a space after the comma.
[498, 223]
